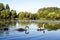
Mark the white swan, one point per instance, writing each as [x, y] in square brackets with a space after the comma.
[41, 28]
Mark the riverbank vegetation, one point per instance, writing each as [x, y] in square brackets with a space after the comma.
[48, 13]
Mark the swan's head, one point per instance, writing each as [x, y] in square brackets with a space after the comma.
[27, 27]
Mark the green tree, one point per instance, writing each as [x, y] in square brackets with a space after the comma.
[7, 6]
[1, 6]
[7, 12]
[13, 14]
[21, 15]
[3, 14]
[48, 13]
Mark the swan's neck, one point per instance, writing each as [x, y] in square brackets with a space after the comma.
[43, 25]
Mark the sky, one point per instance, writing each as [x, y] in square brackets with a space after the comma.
[30, 5]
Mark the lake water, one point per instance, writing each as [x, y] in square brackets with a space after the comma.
[51, 30]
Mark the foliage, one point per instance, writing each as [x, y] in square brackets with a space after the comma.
[1, 6]
[7, 6]
[49, 13]
[13, 14]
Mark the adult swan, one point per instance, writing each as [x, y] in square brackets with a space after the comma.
[23, 29]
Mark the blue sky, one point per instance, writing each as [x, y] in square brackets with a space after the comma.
[30, 5]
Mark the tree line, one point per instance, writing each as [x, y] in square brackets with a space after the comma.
[48, 13]
[6, 13]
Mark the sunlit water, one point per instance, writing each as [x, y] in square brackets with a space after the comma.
[30, 34]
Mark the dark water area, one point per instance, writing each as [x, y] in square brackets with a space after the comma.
[36, 30]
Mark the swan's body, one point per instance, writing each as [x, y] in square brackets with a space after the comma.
[23, 29]
[20, 29]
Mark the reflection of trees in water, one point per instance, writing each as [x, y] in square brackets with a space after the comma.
[39, 24]
[6, 23]
[12, 23]
[3, 24]
[24, 23]
[49, 25]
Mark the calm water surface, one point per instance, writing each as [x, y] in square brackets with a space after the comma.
[51, 31]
